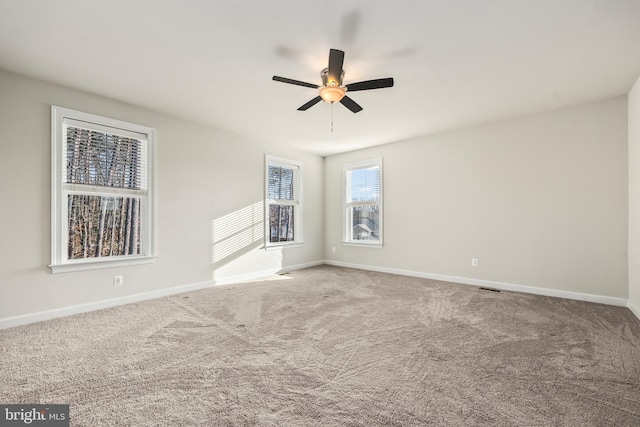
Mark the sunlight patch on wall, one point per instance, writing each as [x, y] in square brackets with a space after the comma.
[237, 232]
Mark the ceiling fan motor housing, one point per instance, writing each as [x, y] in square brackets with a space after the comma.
[331, 90]
[328, 80]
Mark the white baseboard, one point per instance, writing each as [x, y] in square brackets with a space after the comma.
[99, 305]
[634, 309]
[26, 319]
[601, 299]
[263, 273]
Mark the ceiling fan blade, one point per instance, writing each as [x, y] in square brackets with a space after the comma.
[294, 82]
[370, 84]
[310, 104]
[336, 59]
[350, 104]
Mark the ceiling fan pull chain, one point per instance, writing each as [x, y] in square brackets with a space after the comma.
[332, 116]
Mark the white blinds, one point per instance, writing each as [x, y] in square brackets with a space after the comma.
[363, 185]
[280, 183]
[93, 157]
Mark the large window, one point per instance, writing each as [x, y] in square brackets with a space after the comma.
[102, 208]
[363, 202]
[284, 205]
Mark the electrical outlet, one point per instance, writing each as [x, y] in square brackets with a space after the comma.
[118, 281]
[333, 249]
[474, 262]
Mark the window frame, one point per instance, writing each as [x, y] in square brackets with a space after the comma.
[60, 263]
[347, 217]
[297, 204]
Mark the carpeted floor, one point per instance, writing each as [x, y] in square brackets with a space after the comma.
[330, 346]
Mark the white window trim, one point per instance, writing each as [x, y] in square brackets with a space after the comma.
[346, 218]
[59, 232]
[297, 203]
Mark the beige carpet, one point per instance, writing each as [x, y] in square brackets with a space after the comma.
[330, 346]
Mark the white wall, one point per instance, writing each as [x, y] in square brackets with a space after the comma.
[206, 179]
[634, 198]
[541, 201]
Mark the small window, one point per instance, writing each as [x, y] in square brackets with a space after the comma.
[284, 205]
[363, 202]
[101, 192]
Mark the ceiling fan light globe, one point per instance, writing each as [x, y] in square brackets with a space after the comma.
[332, 94]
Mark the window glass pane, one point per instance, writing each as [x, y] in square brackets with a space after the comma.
[281, 223]
[363, 185]
[102, 226]
[365, 222]
[280, 183]
[98, 158]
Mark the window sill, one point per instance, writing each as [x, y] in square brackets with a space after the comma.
[272, 246]
[374, 245]
[94, 265]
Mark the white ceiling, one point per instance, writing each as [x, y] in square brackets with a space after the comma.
[456, 63]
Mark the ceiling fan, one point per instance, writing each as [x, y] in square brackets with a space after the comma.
[332, 89]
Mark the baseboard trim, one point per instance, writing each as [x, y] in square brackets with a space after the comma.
[635, 310]
[27, 319]
[600, 299]
[263, 273]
